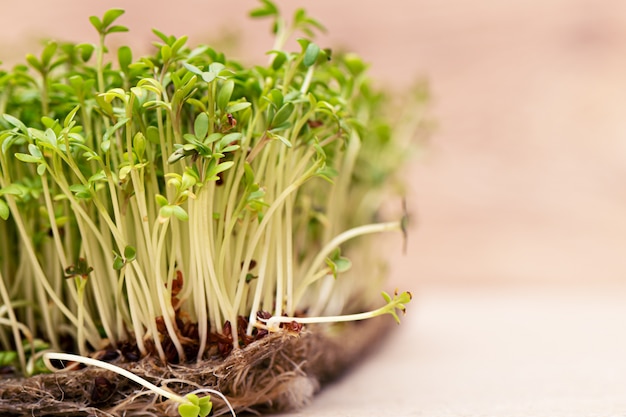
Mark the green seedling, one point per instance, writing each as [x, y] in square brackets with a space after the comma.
[141, 197]
[189, 406]
[398, 302]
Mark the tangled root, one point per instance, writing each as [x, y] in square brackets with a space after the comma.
[277, 373]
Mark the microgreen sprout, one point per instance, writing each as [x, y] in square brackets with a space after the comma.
[398, 302]
[163, 200]
[190, 405]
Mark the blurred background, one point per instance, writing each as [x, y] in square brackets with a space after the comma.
[517, 255]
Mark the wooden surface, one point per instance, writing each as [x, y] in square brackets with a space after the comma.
[518, 258]
[493, 352]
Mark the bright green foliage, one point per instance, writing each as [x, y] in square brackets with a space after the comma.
[398, 302]
[198, 406]
[125, 175]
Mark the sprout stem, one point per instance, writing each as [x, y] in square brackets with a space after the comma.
[398, 302]
[311, 276]
[110, 367]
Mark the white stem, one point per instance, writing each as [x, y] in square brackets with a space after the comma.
[110, 367]
[273, 322]
[311, 276]
[307, 79]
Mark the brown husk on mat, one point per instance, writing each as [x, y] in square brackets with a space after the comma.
[282, 371]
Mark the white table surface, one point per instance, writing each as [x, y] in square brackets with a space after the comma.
[493, 352]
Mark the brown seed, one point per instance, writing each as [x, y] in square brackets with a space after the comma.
[231, 120]
[293, 327]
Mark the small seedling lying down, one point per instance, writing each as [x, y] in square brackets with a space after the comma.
[189, 406]
[396, 303]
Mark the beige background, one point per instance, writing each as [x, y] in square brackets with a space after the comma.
[518, 261]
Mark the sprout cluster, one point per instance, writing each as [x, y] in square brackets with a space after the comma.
[166, 198]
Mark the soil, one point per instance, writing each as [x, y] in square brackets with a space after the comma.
[281, 371]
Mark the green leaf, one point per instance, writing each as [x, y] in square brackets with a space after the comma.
[80, 191]
[276, 97]
[29, 159]
[213, 137]
[282, 114]
[166, 211]
[98, 176]
[130, 253]
[230, 148]
[34, 62]
[118, 262]
[13, 189]
[188, 180]
[279, 60]
[327, 173]
[230, 138]
[177, 155]
[193, 69]
[224, 166]
[49, 122]
[139, 144]
[79, 269]
[153, 135]
[15, 122]
[70, 116]
[8, 357]
[124, 171]
[193, 398]
[179, 43]
[188, 410]
[47, 54]
[34, 151]
[248, 174]
[116, 28]
[201, 126]
[180, 213]
[209, 76]
[223, 97]
[121, 122]
[160, 200]
[86, 50]
[205, 406]
[111, 16]
[161, 35]
[234, 108]
[354, 64]
[338, 263]
[166, 53]
[283, 139]
[4, 210]
[124, 57]
[268, 9]
[343, 264]
[310, 55]
[396, 303]
[49, 138]
[96, 23]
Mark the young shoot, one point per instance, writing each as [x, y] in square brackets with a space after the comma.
[190, 405]
[161, 201]
[395, 304]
